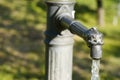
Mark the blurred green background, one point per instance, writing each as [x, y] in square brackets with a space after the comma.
[22, 26]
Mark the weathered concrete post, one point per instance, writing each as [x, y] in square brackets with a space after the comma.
[59, 42]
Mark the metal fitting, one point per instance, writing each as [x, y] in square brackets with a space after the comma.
[94, 40]
[60, 1]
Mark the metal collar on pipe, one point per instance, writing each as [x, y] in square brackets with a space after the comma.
[60, 1]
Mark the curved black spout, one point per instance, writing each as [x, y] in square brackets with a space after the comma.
[92, 37]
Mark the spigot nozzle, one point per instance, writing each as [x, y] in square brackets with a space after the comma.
[95, 42]
[96, 52]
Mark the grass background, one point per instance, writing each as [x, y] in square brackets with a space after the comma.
[22, 26]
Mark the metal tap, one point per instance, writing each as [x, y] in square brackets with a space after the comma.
[94, 40]
[93, 37]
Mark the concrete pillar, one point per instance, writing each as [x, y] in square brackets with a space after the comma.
[59, 43]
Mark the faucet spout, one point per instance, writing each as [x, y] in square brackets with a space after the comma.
[92, 36]
[94, 40]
